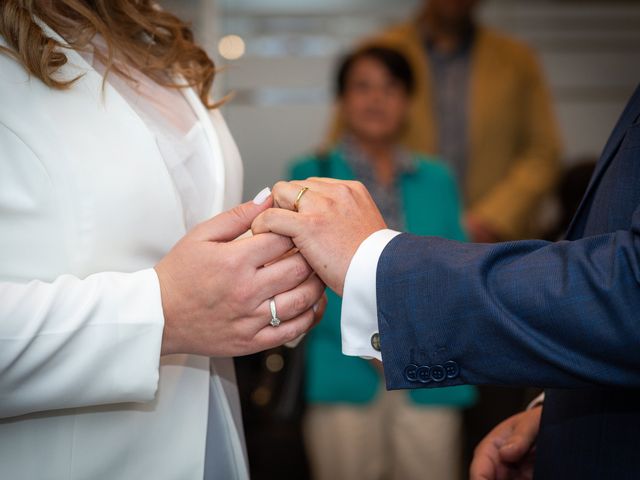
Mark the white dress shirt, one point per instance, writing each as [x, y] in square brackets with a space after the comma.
[359, 321]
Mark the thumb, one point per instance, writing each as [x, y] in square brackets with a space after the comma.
[522, 438]
[231, 224]
[516, 447]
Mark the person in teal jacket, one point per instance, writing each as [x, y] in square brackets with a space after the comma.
[354, 428]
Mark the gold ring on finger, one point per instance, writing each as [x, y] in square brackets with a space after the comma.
[296, 204]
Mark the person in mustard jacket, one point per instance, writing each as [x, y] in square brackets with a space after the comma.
[354, 427]
[481, 104]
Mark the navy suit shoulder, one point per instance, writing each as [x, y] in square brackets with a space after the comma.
[563, 315]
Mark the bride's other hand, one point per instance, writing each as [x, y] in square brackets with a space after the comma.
[216, 290]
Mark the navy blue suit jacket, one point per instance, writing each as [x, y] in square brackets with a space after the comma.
[563, 315]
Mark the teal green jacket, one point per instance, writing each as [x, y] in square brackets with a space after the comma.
[432, 207]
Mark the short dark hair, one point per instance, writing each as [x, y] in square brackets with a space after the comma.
[392, 60]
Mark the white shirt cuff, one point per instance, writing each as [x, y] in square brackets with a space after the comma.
[359, 321]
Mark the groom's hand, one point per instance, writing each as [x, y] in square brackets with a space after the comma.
[508, 451]
[333, 218]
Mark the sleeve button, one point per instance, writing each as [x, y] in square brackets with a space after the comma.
[452, 369]
[424, 374]
[438, 373]
[410, 372]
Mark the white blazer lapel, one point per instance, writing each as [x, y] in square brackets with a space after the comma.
[232, 160]
[227, 165]
[76, 67]
[227, 169]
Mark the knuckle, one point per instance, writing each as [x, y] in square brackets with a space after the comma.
[241, 339]
[237, 214]
[301, 269]
[242, 296]
[358, 185]
[271, 214]
[258, 224]
[247, 338]
[299, 303]
[270, 219]
[308, 318]
[279, 185]
[318, 286]
[292, 333]
[265, 218]
[342, 190]
[278, 190]
[329, 203]
[283, 242]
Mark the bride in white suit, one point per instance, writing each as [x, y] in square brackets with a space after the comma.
[120, 302]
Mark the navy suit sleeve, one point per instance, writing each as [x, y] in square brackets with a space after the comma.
[564, 314]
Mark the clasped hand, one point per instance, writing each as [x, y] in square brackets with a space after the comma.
[216, 288]
[333, 218]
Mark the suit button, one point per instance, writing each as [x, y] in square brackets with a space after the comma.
[424, 374]
[438, 373]
[452, 369]
[410, 372]
[375, 341]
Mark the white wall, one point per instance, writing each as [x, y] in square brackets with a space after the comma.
[590, 52]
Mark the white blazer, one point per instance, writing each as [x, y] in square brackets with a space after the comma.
[87, 208]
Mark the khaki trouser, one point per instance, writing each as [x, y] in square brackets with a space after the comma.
[390, 438]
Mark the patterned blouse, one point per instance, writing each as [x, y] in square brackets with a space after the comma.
[388, 198]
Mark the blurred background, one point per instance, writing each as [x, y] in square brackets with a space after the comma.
[283, 80]
[279, 57]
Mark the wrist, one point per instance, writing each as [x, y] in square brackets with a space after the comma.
[348, 261]
[170, 343]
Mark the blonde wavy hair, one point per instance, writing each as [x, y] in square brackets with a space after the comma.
[153, 41]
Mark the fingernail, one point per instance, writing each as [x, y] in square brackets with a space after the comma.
[294, 343]
[316, 307]
[507, 446]
[262, 196]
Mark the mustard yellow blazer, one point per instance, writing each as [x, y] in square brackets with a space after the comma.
[514, 142]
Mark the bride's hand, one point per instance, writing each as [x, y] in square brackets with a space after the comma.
[216, 290]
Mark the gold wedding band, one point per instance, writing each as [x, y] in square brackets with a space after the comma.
[296, 204]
